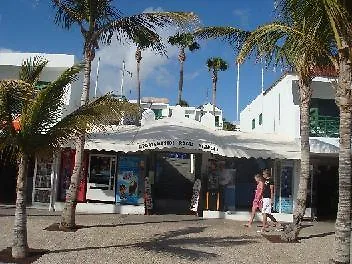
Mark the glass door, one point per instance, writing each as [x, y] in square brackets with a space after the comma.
[101, 178]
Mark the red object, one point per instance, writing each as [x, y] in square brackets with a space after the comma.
[66, 169]
[16, 124]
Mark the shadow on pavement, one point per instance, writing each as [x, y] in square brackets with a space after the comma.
[175, 243]
[33, 255]
[55, 226]
[317, 235]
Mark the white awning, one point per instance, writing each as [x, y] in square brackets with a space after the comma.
[324, 145]
[191, 136]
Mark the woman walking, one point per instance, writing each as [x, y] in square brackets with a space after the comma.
[258, 198]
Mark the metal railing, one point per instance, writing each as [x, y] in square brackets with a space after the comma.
[324, 126]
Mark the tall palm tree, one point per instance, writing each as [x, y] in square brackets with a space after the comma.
[215, 64]
[99, 21]
[338, 14]
[304, 46]
[142, 44]
[183, 41]
[30, 124]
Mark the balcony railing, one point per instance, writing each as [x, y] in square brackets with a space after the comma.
[324, 126]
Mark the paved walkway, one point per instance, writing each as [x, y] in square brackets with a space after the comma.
[109, 238]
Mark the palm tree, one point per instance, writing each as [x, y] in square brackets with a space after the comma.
[30, 124]
[142, 44]
[215, 64]
[183, 41]
[304, 46]
[338, 14]
[98, 21]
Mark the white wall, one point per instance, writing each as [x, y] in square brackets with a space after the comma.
[277, 108]
[280, 106]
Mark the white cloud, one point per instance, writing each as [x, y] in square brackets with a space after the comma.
[242, 15]
[192, 75]
[153, 66]
[5, 50]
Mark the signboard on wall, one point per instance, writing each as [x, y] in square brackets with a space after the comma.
[129, 173]
[286, 177]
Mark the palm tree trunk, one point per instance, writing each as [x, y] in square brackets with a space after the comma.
[214, 79]
[291, 232]
[88, 57]
[343, 220]
[182, 57]
[138, 57]
[20, 244]
[68, 217]
[68, 214]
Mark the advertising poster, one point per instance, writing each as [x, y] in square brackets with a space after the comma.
[286, 188]
[129, 172]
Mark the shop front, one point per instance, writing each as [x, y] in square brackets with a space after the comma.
[172, 165]
[230, 187]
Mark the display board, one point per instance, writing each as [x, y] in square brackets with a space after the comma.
[286, 178]
[130, 170]
[42, 180]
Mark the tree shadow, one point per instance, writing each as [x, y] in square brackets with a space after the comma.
[56, 227]
[33, 255]
[175, 243]
[317, 235]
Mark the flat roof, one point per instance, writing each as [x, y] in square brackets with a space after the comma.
[54, 60]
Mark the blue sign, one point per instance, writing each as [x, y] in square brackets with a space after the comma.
[129, 170]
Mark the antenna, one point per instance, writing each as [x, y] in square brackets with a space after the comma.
[96, 81]
[262, 75]
[237, 91]
[123, 70]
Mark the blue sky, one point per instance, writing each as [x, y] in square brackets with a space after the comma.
[27, 26]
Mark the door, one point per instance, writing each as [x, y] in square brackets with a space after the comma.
[101, 178]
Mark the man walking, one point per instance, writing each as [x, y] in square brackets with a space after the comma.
[268, 199]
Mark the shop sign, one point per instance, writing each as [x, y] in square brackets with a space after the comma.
[177, 144]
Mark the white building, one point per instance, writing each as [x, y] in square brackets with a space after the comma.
[162, 109]
[277, 111]
[10, 64]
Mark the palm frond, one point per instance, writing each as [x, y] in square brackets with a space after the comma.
[96, 115]
[234, 36]
[14, 96]
[131, 28]
[31, 69]
[143, 26]
[301, 45]
[46, 108]
[69, 12]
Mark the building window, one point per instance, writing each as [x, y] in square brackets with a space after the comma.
[158, 113]
[216, 121]
[187, 116]
[261, 119]
[253, 123]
